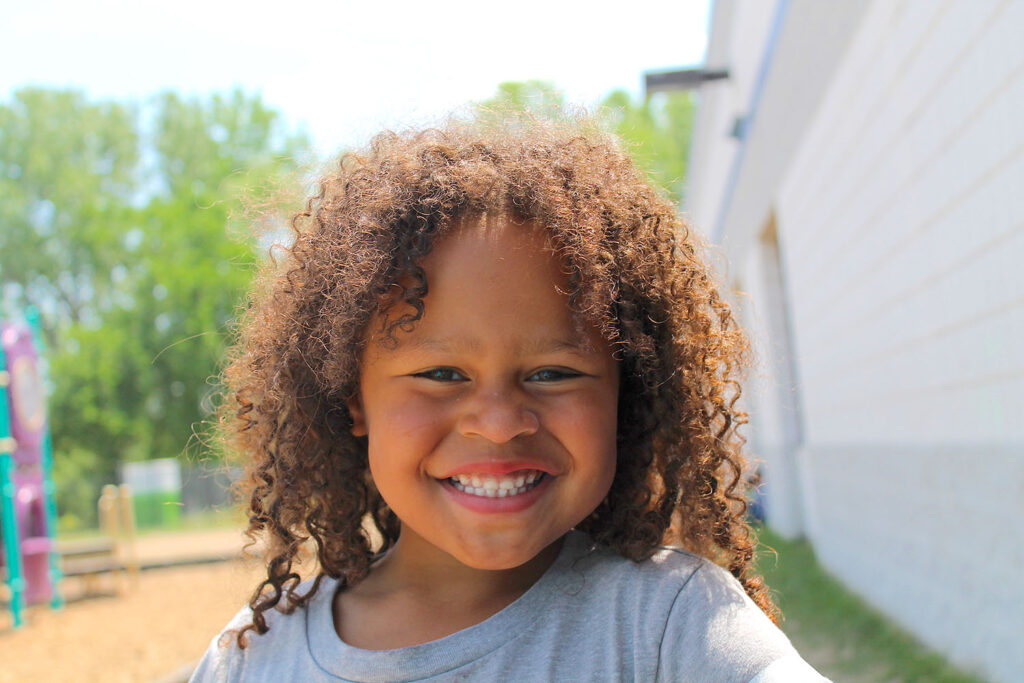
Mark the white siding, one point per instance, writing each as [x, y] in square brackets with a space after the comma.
[911, 226]
[903, 220]
[739, 36]
[900, 211]
[771, 395]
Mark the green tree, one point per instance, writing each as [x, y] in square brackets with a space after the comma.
[535, 97]
[68, 171]
[656, 130]
[140, 265]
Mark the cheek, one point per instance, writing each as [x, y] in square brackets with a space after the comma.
[590, 426]
[396, 419]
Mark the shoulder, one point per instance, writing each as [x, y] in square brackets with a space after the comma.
[672, 583]
[657, 579]
[715, 628]
[686, 615]
[223, 657]
[225, 660]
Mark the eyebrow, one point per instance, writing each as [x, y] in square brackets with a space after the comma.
[463, 344]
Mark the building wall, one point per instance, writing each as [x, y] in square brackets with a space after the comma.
[903, 224]
[738, 40]
[900, 218]
[772, 396]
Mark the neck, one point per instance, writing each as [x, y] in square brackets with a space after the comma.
[436, 595]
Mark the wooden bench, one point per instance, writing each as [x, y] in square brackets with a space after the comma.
[90, 559]
[113, 553]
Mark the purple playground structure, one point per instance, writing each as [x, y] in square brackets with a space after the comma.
[28, 558]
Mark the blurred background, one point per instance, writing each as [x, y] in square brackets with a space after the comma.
[857, 166]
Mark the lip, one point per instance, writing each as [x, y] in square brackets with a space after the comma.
[498, 505]
[498, 467]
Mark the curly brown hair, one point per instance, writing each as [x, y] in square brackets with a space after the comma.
[635, 271]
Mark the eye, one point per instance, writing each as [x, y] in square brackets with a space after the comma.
[552, 375]
[442, 375]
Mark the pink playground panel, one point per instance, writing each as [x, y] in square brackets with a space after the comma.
[27, 422]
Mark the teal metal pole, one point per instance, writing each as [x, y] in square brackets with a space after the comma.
[8, 518]
[49, 488]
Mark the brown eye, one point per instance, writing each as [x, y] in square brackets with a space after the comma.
[552, 375]
[442, 375]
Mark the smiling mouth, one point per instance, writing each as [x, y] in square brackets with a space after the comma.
[497, 486]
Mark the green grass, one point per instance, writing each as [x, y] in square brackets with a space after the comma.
[214, 518]
[837, 632]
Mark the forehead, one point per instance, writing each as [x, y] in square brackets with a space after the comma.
[495, 281]
[496, 245]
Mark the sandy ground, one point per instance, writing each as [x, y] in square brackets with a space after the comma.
[179, 546]
[148, 632]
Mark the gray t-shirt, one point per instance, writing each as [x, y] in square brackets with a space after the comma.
[593, 616]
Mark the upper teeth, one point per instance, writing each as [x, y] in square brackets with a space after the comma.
[496, 486]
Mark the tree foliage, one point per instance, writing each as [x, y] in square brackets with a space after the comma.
[67, 176]
[123, 239]
[537, 98]
[656, 130]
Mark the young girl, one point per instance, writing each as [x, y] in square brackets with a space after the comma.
[491, 378]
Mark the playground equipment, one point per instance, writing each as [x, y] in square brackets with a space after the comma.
[114, 552]
[156, 490]
[27, 509]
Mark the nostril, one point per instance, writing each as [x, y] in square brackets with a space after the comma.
[499, 422]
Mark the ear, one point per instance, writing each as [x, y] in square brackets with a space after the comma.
[355, 409]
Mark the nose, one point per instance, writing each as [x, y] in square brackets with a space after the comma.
[498, 416]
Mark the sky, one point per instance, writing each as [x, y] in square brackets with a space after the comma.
[345, 70]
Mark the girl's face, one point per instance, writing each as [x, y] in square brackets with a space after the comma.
[492, 422]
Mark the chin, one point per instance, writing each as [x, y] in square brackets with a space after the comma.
[489, 558]
[492, 562]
